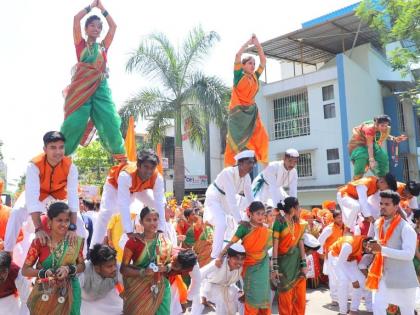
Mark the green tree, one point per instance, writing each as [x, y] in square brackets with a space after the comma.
[93, 163]
[184, 93]
[396, 20]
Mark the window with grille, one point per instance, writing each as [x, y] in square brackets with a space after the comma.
[291, 116]
[328, 100]
[400, 115]
[329, 111]
[328, 93]
[304, 165]
[333, 164]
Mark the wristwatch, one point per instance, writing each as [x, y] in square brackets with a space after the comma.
[72, 227]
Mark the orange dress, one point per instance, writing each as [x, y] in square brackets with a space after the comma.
[245, 128]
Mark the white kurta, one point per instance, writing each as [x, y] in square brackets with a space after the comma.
[11, 305]
[121, 199]
[28, 202]
[218, 206]
[110, 304]
[404, 298]
[276, 178]
[218, 286]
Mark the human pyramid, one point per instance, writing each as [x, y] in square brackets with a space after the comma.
[250, 243]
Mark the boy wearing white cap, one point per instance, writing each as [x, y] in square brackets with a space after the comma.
[218, 285]
[222, 197]
[268, 186]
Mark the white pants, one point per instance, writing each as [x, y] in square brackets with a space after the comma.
[346, 274]
[20, 214]
[350, 209]
[404, 298]
[109, 206]
[332, 277]
[225, 298]
[223, 224]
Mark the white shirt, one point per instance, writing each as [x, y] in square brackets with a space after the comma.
[170, 233]
[222, 276]
[367, 209]
[33, 189]
[278, 177]
[124, 199]
[325, 234]
[229, 181]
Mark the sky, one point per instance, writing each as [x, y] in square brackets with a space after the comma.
[37, 53]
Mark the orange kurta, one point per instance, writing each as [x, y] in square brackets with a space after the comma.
[350, 189]
[356, 243]
[137, 184]
[53, 180]
[337, 232]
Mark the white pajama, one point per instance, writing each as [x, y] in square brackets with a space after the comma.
[120, 199]
[224, 211]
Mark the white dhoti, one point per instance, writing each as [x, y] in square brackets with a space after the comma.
[10, 305]
[20, 214]
[224, 224]
[109, 206]
[404, 298]
[110, 304]
[224, 297]
[332, 276]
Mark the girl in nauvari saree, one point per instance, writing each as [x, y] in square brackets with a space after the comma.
[365, 146]
[146, 260]
[88, 103]
[289, 259]
[245, 128]
[257, 239]
[57, 289]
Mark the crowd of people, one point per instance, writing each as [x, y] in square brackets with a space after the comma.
[249, 245]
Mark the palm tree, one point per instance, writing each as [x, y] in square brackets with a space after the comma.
[185, 94]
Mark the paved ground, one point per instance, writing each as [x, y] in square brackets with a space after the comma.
[318, 303]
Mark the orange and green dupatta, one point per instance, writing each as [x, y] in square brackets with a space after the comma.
[256, 269]
[87, 76]
[137, 295]
[288, 252]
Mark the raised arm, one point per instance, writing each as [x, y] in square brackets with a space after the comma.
[77, 30]
[260, 52]
[241, 50]
[111, 24]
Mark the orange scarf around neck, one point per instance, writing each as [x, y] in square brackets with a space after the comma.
[376, 269]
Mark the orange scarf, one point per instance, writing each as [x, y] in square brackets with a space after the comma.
[376, 269]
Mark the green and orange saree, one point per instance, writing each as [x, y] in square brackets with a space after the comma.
[64, 254]
[138, 297]
[256, 241]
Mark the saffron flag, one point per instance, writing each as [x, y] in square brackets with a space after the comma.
[130, 141]
[159, 154]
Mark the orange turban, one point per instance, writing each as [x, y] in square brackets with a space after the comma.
[404, 204]
[326, 216]
[316, 212]
[1, 186]
[329, 204]
[306, 214]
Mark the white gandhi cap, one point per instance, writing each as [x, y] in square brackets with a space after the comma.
[292, 153]
[244, 154]
[238, 248]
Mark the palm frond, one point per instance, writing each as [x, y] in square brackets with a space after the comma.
[143, 104]
[157, 129]
[209, 94]
[195, 126]
[196, 47]
[151, 60]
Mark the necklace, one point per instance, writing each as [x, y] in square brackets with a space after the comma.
[291, 226]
